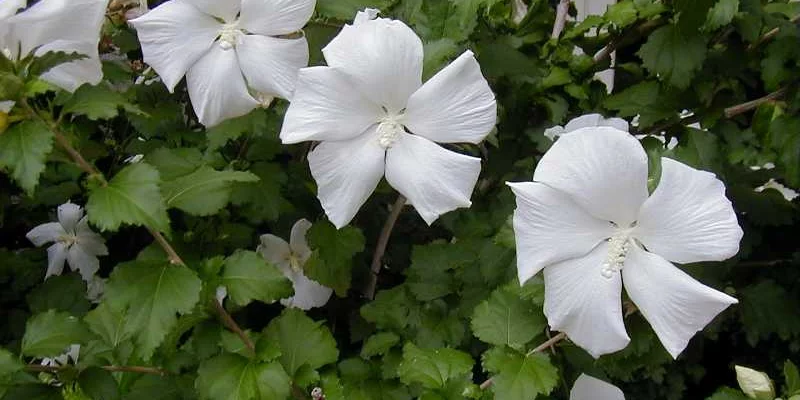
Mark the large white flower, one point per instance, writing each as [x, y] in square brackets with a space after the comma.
[588, 221]
[56, 25]
[290, 259]
[374, 116]
[590, 388]
[73, 242]
[234, 53]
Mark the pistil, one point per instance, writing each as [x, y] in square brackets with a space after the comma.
[618, 246]
[389, 131]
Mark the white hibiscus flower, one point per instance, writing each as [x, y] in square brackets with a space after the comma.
[590, 388]
[56, 25]
[374, 117]
[290, 259]
[234, 53]
[72, 354]
[73, 242]
[588, 221]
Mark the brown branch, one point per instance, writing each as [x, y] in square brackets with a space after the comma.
[753, 104]
[111, 368]
[380, 248]
[174, 258]
[229, 323]
[771, 34]
[561, 18]
[544, 346]
[632, 36]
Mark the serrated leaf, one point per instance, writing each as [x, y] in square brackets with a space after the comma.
[111, 325]
[23, 151]
[152, 293]
[391, 309]
[51, 59]
[768, 309]
[780, 63]
[151, 387]
[98, 384]
[437, 53]
[331, 263]
[249, 277]
[61, 293]
[253, 122]
[379, 344]
[8, 363]
[345, 10]
[204, 191]
[433, 368]
[790, 374]
[233, 377]
[507, 319]
[49, 334]
[622, 13]
[131, 197]
[175, 163]
[97, 102]
[303, 341]
[674, 56]
[517, 377]
[692, 14]
[726, 393]
[645, 99]
[721, 14]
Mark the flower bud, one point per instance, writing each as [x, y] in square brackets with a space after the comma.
[755, 384]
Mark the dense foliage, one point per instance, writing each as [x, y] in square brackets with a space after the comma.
[721, 77]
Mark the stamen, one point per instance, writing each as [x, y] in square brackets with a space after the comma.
[618, 246]
[389, 131]
[230, 35]
[294, 262]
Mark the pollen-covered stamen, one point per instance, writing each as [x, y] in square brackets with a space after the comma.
[618, 246]
[69, 240]
[230, 35]
[389, 130]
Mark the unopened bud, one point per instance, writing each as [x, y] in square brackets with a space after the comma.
[755, 384]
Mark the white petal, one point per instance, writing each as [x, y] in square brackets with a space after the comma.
[347, 172]
[549, 227]
[591, 120]
[45, 233]
[675, 304]
[590, 388]
[274, 249]
[223, 9]
[79, 259]
[68, 215]
[435, 180]
[456, 105]
[7, 105]
[688, 218]
[174, 36]
[220, 294]
[275, 17]
[297, 239]
[51, 20]
[270, 64]
[217, 88]
[10, 7]
[90, 241]
[56, 255]
[603, 169]
[366, 15]
[383, 56]
[307, 293]
[325, 106]
[587, 306]
[69, 76]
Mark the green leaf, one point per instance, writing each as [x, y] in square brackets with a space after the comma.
[721, 14]
[49, 334]
[61, 293]
[152, 387]
[645, 99]
[391, 309]
[152, 293]
[9, 363]
[433, 368]
[673, 56]
[766, 309]
[331, 262]
[131, 197]
[517, 377]
[203, 192]
[437, 53]
[233, 377]
[506, 319]
[781, 62]
[303, 341]
[622, 13]
[726, 393]
[23, 151]
[262, 200]
[430, 274]
[98, 384]
[790, 374]
[345, 10]
[249, 277]
[97, 102]
[47, 61]
[692, 14]
[175, 163]
[466, 14]
[113, 326]
[10, 86]
[379, 344]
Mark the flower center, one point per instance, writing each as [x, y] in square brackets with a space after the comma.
[264, 100]
[618, 246]
[389, 130]
[295, 263]
[69, 240]
[230, 35]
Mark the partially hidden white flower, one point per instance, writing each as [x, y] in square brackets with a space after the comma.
[587, 220]
[71, 354]
[788, 193]
[95, 288]
[234, 53]
[6, 106]
[56, 25]
[73, 241]
[375, 117]
[585, 121]
[590, 388]
[290, 258]
[755, 384]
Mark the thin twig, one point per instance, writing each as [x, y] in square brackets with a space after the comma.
[380, 248]
[771, 34]
[111, 368]
[561, 18]
[619, 41]
[229, 323]
[174, 258]
[753, 104]
[544, 346]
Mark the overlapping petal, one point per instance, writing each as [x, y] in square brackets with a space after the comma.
[455, 106]
[592, 120]
[69, 76]
[587, 306]
[590, 388]
[550, 227]
[68, 215]
[675, 304]
[275, 17]
[326, 107]
[217, 87]
[435, 180]
[347, 172]
[51, 20]
[223, 9]
[307, 293]
[270, 64]
[275, 250]
[91, 242]
[383, 56]
[10, 7]
[603, 169]
[174, 36]
[82, 261]
[56, 255]
[45, 233]
[688, 218]
[297, 239]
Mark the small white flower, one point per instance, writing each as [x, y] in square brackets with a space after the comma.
[221, 294]
[585, 121]
[374, 117]
[70, 355]
[589, 222]
[590, 388]
[290, 259]
[56, 25]
[231, 51]
[755, 384]
[73, 242]
[788, 193]
[95, 288]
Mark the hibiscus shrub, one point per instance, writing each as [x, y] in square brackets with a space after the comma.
[588, 200]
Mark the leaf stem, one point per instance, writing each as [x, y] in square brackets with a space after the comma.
[229, 323]
[753, 104]
[111, 368]
[174, 258]
[380, 248]
[544, 346]
[561, 18]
